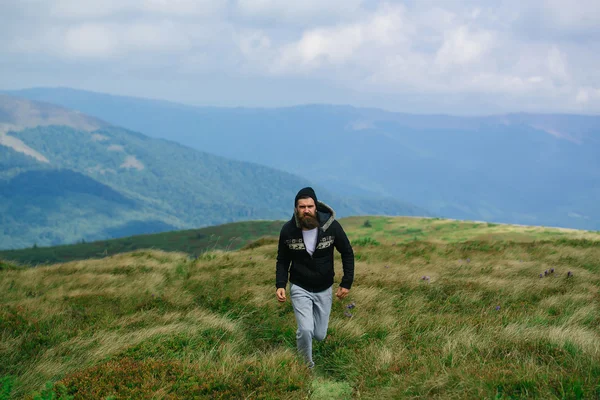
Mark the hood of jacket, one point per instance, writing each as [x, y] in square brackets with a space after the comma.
[325, 214]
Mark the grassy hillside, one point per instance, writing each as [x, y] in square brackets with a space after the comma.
[444, 309]
[171, 186]
[193, 242]
[235, 235]
[66, 177]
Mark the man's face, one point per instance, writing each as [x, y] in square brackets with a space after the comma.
[306, 211]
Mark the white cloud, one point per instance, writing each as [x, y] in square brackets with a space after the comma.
[574, 15]
[91, 40]
[557, 64]
[587, 95]
[511, 52]
[97, 40]
[255, 45]
[582, 97]
[298, 12]
[193, 8]
[499, 83]
[394, 49]
[461, 46]
[165, 36]
[76, 9]
[322, 46]
[352, 44]
[96, 9]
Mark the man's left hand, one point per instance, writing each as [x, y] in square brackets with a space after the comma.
[342, 292]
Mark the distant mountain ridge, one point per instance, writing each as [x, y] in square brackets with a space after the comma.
[66, 177]
[124, 111]
[534, 169]
[21, 113]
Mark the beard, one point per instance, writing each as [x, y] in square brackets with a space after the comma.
[308, 221]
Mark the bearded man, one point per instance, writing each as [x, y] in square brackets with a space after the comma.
[305, 252]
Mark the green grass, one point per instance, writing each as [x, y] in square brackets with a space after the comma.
[408, 229]
[238, 235]
[365, 241]
[194, 242]
[155, 324]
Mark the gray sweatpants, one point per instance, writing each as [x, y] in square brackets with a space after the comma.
[312, 315]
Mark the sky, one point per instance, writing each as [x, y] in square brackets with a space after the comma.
[461, 57]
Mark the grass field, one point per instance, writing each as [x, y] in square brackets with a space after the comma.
[235, 235]
[193, 241]
[443, 309]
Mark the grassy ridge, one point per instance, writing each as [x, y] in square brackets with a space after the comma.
[234, 236]
[194, 241]
[433, 317]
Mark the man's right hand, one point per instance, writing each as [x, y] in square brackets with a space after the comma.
[281, 295]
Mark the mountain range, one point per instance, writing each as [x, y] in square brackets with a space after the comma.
[67, 177]
[535, 169]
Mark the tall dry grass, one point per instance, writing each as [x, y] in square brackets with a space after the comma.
[432, 318]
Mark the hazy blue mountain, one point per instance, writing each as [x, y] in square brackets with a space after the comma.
[65, 177]
[517, 168]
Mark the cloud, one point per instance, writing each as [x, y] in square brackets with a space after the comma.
[90, 40]
[254, 45]
[587, 95]
[351, 45]
[77, 9]
[94, 9]
[575, 20]
[539, 53]
[557, 64]
[571, 17]
[322, 46]
[185, 8]
[461, 46]
[298, 12]
[387, 51]
[106, 41]
[162, 37]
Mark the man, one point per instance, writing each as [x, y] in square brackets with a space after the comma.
[307, 242]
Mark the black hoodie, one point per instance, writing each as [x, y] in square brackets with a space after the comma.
[314, 273]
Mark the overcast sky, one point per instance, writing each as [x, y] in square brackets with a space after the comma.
[426, 56]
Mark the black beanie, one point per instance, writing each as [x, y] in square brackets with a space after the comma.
[306, 192]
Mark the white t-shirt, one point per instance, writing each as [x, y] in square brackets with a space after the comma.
[310, 240]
